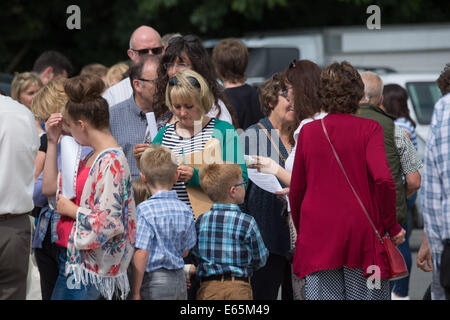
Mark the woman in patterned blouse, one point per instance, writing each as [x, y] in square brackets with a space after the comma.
[101, 242]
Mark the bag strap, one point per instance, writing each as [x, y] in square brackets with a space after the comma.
[271, 140]
[348, 180]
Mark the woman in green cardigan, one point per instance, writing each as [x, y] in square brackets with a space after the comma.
[190, 99]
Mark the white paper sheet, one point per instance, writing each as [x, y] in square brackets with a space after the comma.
[152, 129]
[267, 182]
[70, 158]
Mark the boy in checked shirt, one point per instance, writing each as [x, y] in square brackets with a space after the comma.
[229, 247]
[165, 231]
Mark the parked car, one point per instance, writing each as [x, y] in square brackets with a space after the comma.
[423, 94]
[5, 82]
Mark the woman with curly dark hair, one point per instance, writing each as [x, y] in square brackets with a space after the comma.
[187, 52]
[337, 248]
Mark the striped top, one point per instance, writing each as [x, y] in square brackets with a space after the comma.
[407, 125]
[178, 144]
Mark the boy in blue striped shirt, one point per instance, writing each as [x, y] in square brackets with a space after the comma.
[165, 231]
[229, 247]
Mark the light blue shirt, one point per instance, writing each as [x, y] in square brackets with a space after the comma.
[166, 229]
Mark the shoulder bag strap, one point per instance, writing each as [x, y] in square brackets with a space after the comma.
[271, 140]
[348, 180]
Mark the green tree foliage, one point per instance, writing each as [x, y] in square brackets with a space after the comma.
[30, 27]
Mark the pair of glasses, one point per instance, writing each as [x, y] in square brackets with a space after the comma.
[187, 38]
[155, 51]
[292, 64]
[174, 81]
[240, 184]
[148, 80]
[170, 65]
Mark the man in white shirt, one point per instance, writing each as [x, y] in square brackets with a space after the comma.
[144, 40]
[19, 144]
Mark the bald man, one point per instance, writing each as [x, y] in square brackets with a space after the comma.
[143, 41]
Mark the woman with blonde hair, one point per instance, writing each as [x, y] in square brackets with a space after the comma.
[189, 97]
[115, 74]
[50, 99]
[25, 86]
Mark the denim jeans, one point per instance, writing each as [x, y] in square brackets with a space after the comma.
[163, 284]
[401, 287]
[65, 286]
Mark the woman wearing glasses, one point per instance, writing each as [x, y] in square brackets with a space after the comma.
[301, 83]
[272, 137]
[188, 53]
[190, 99]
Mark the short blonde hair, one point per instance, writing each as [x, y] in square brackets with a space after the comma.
[140, 191]
[50, 99]
[196, 92]
[116, 73]
[158, 165]
[217, 179]
[22, 81]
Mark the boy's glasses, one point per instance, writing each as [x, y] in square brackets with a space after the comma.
[244, 183]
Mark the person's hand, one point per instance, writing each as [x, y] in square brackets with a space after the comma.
[53, 127]
[139, 149]
[185, 173]
[265, 165]
[66, 207]
[188, 284]
[423, 260]
[283, 194]
[399, 238]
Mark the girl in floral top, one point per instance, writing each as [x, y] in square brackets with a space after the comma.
[101, 242]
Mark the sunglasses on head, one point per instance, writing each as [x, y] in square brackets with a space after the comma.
[174, 81]
[155, 51]
[187, 38]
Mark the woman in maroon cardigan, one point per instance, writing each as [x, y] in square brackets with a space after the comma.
[337, 248]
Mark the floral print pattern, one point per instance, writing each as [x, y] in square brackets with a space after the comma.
[102, 239]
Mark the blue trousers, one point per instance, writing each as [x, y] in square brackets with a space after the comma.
[401, 287]
[65, 286]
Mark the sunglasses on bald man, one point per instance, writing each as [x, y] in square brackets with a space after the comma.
[155, 51]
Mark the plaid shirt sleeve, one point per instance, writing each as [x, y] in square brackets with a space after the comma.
[259, 250]
[436, 182]
[409, 159]
[144, 232]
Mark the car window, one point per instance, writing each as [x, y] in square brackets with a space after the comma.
[424, 96]
[265, 61]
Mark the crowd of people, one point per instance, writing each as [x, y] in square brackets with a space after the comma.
[169, 208]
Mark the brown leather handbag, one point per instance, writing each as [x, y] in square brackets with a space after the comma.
[397, 263]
